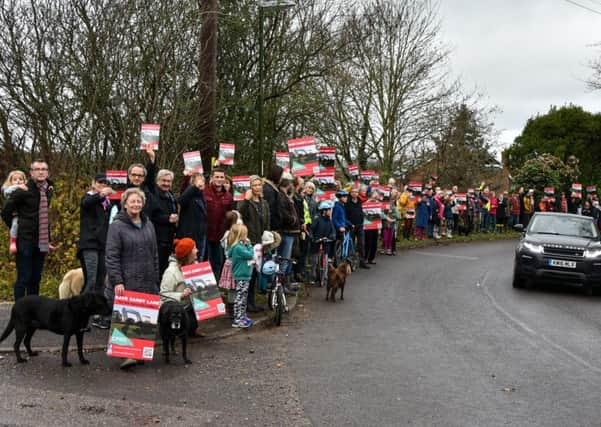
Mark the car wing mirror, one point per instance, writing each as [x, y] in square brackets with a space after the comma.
[519, 227]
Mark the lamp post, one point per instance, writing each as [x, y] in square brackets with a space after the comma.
[265, 4]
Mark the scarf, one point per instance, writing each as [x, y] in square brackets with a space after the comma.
[43, 242]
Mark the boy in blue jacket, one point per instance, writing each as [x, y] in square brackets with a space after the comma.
[322, 227]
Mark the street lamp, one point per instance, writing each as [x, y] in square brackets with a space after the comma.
[265, 4]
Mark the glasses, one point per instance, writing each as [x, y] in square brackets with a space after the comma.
[39, 169]
[137, 175]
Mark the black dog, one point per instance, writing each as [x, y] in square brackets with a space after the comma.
[174, 322]
[66, 317]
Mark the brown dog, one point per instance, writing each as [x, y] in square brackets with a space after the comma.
[337, 280]
[71, 285]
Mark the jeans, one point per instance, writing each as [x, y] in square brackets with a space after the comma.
[285, 251]
[30, 263]
[215, 254]
[92, 264]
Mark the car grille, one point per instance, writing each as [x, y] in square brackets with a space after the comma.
[564, 251]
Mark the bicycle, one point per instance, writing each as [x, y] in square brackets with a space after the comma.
[276, 298]
[322, 262]
[345, 251]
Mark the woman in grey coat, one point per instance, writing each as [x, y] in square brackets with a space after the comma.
[131, 251]
[132, 260]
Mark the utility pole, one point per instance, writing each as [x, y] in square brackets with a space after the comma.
[207, 73]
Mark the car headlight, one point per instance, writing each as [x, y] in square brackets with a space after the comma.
[537, 249]
[592, 253]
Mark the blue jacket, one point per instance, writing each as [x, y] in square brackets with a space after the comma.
[422, 214]
[321, 227]
[339, 217]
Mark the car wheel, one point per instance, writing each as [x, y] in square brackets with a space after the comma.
[518, 282]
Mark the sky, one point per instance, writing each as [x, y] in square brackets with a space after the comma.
[523, 55]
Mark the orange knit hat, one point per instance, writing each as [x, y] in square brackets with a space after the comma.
[183, 247]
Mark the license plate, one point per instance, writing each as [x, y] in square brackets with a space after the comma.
[562, 263]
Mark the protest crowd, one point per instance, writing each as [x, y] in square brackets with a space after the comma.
[137, 233]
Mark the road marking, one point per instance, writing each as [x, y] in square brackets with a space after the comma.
[532, 332]
[469, 258]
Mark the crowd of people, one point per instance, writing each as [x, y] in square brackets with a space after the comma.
[141, 241]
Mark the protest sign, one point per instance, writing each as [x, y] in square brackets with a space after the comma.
[206, 297]
[226, 154]
[461, 201]
[384, 192]
[372, 212]
[193, 161]
[325, 185]
[327, 159]
[414, 186]
[591, 189]
[576, 190]
[282, 159]
[118, 182]
[134, 326]
[368, 176]
[549, 191]
[149, 135]
[303, 156]
[353, 171]
[240, 185]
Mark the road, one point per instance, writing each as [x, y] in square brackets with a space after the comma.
[431, 337]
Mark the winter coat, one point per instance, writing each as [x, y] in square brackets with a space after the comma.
[193, 216]
[403, 203]
[322, 226]
[241, 255]
[422, 214]
[312, 204]
[299, 205]
[339, 217]
[219, 202]
[502, 210]
[173, 283]
[494, 204]
[272, 197]
[148, 186]
[289, 222]
[93, 222]
[26, 205]
[131, 255]
[165, 207]
[354, 211]
[255, 216]
[514, 202]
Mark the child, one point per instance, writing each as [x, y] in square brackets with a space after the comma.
[390, 216]
[421, 218]
[242, 255]
[16, 180]
[321, 227]
[226, 281]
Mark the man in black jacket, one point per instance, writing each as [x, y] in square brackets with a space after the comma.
[33, 236]
[354, 213]
[164, 217]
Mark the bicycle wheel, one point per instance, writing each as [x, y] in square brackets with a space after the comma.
[353, 256]
[279, 306]
[323, 277]
[339, 252]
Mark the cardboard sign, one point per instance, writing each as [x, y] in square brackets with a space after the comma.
[372, 212]
[226, 154]
[591, 189]
[415, 186]
[303, 156]
[549, 191]
[149, 135]
[118, 182]
[353, 171]
[461, 201]
[325, 185]
[206, 298]
[193, 162]
[327, 158]
[576, 190]
[282, 159]
[240, 185]
[134, 326]
[368, 175]
[384, 192]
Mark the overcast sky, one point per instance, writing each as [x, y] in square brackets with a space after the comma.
[524, 55]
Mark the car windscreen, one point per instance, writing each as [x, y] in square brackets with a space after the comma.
[563, 225]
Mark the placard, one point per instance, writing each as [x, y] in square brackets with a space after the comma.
[240, 185]
[549, 191]
[461, 201]
[415, 186]
[576, 190]
[282, 159]
[303, 156]
[591, 189]
[118, 182]
[193, 162]
[206, 297]
[368, 176]
[327, 159]
[372, 212]
[226, 154]
[134, 326]
[325, 185]
[353, 171]
[384, 192]
[149, 135]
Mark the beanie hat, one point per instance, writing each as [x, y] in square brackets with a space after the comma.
[183, 247]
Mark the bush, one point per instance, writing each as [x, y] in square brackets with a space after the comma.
[64, 233]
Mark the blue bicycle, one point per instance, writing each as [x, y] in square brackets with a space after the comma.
[346, 252]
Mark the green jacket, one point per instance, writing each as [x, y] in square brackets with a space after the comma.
[241, 256]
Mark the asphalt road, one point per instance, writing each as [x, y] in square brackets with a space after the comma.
[431, 337]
